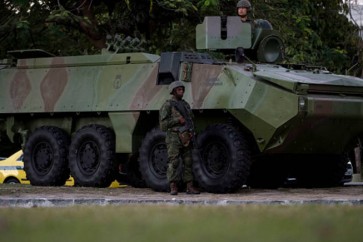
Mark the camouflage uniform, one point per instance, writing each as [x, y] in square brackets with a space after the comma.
[169, 122]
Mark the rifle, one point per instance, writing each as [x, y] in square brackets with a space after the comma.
[189, 125]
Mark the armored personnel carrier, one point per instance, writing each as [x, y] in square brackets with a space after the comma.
[257, 122]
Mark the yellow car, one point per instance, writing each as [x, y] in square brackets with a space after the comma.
[11, 169]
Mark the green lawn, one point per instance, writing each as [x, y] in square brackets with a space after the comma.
[183, 223]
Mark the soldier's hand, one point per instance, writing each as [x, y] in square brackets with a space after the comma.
[182, 120]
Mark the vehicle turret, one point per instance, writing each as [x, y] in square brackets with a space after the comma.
[256, 38]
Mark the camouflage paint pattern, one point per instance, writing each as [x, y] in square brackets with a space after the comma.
[78, 84]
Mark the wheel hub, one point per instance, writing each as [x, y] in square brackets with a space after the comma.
[43, 158]
[215, 159]
[159, 158]
[88, 158]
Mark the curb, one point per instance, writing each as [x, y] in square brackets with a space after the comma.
[55, 202]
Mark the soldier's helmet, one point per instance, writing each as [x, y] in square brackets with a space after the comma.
[244, 4]
[175, 85]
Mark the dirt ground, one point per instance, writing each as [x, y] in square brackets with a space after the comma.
[26, 195]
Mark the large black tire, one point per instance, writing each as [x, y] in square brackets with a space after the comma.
[153, 160]
[222, 159]
[92, 156]
[45, 157]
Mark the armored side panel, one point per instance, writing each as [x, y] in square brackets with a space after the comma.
[77, 83]
[171, 62]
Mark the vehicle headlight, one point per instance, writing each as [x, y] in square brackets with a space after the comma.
[303, 104]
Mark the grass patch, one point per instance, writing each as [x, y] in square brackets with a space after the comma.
[183, 223]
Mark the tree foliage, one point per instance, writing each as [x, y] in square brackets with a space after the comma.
[315, 32]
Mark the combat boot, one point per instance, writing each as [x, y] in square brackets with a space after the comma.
[173, 188]
[191, 189]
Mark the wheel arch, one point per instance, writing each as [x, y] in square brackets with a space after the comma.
[145, 123]
[205, 118]
[6, 180]
[69, 122]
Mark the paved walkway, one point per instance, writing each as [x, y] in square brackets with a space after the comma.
[29, 196]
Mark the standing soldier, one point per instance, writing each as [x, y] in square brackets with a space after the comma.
[176, 120]
[243, 7]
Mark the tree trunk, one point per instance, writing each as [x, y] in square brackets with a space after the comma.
[94, 35]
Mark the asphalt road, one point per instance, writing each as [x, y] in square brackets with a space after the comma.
[32, 196]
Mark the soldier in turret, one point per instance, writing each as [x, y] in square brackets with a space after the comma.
[176, 120]
[243, 8]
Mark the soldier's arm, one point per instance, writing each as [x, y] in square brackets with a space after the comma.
[168, 120]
